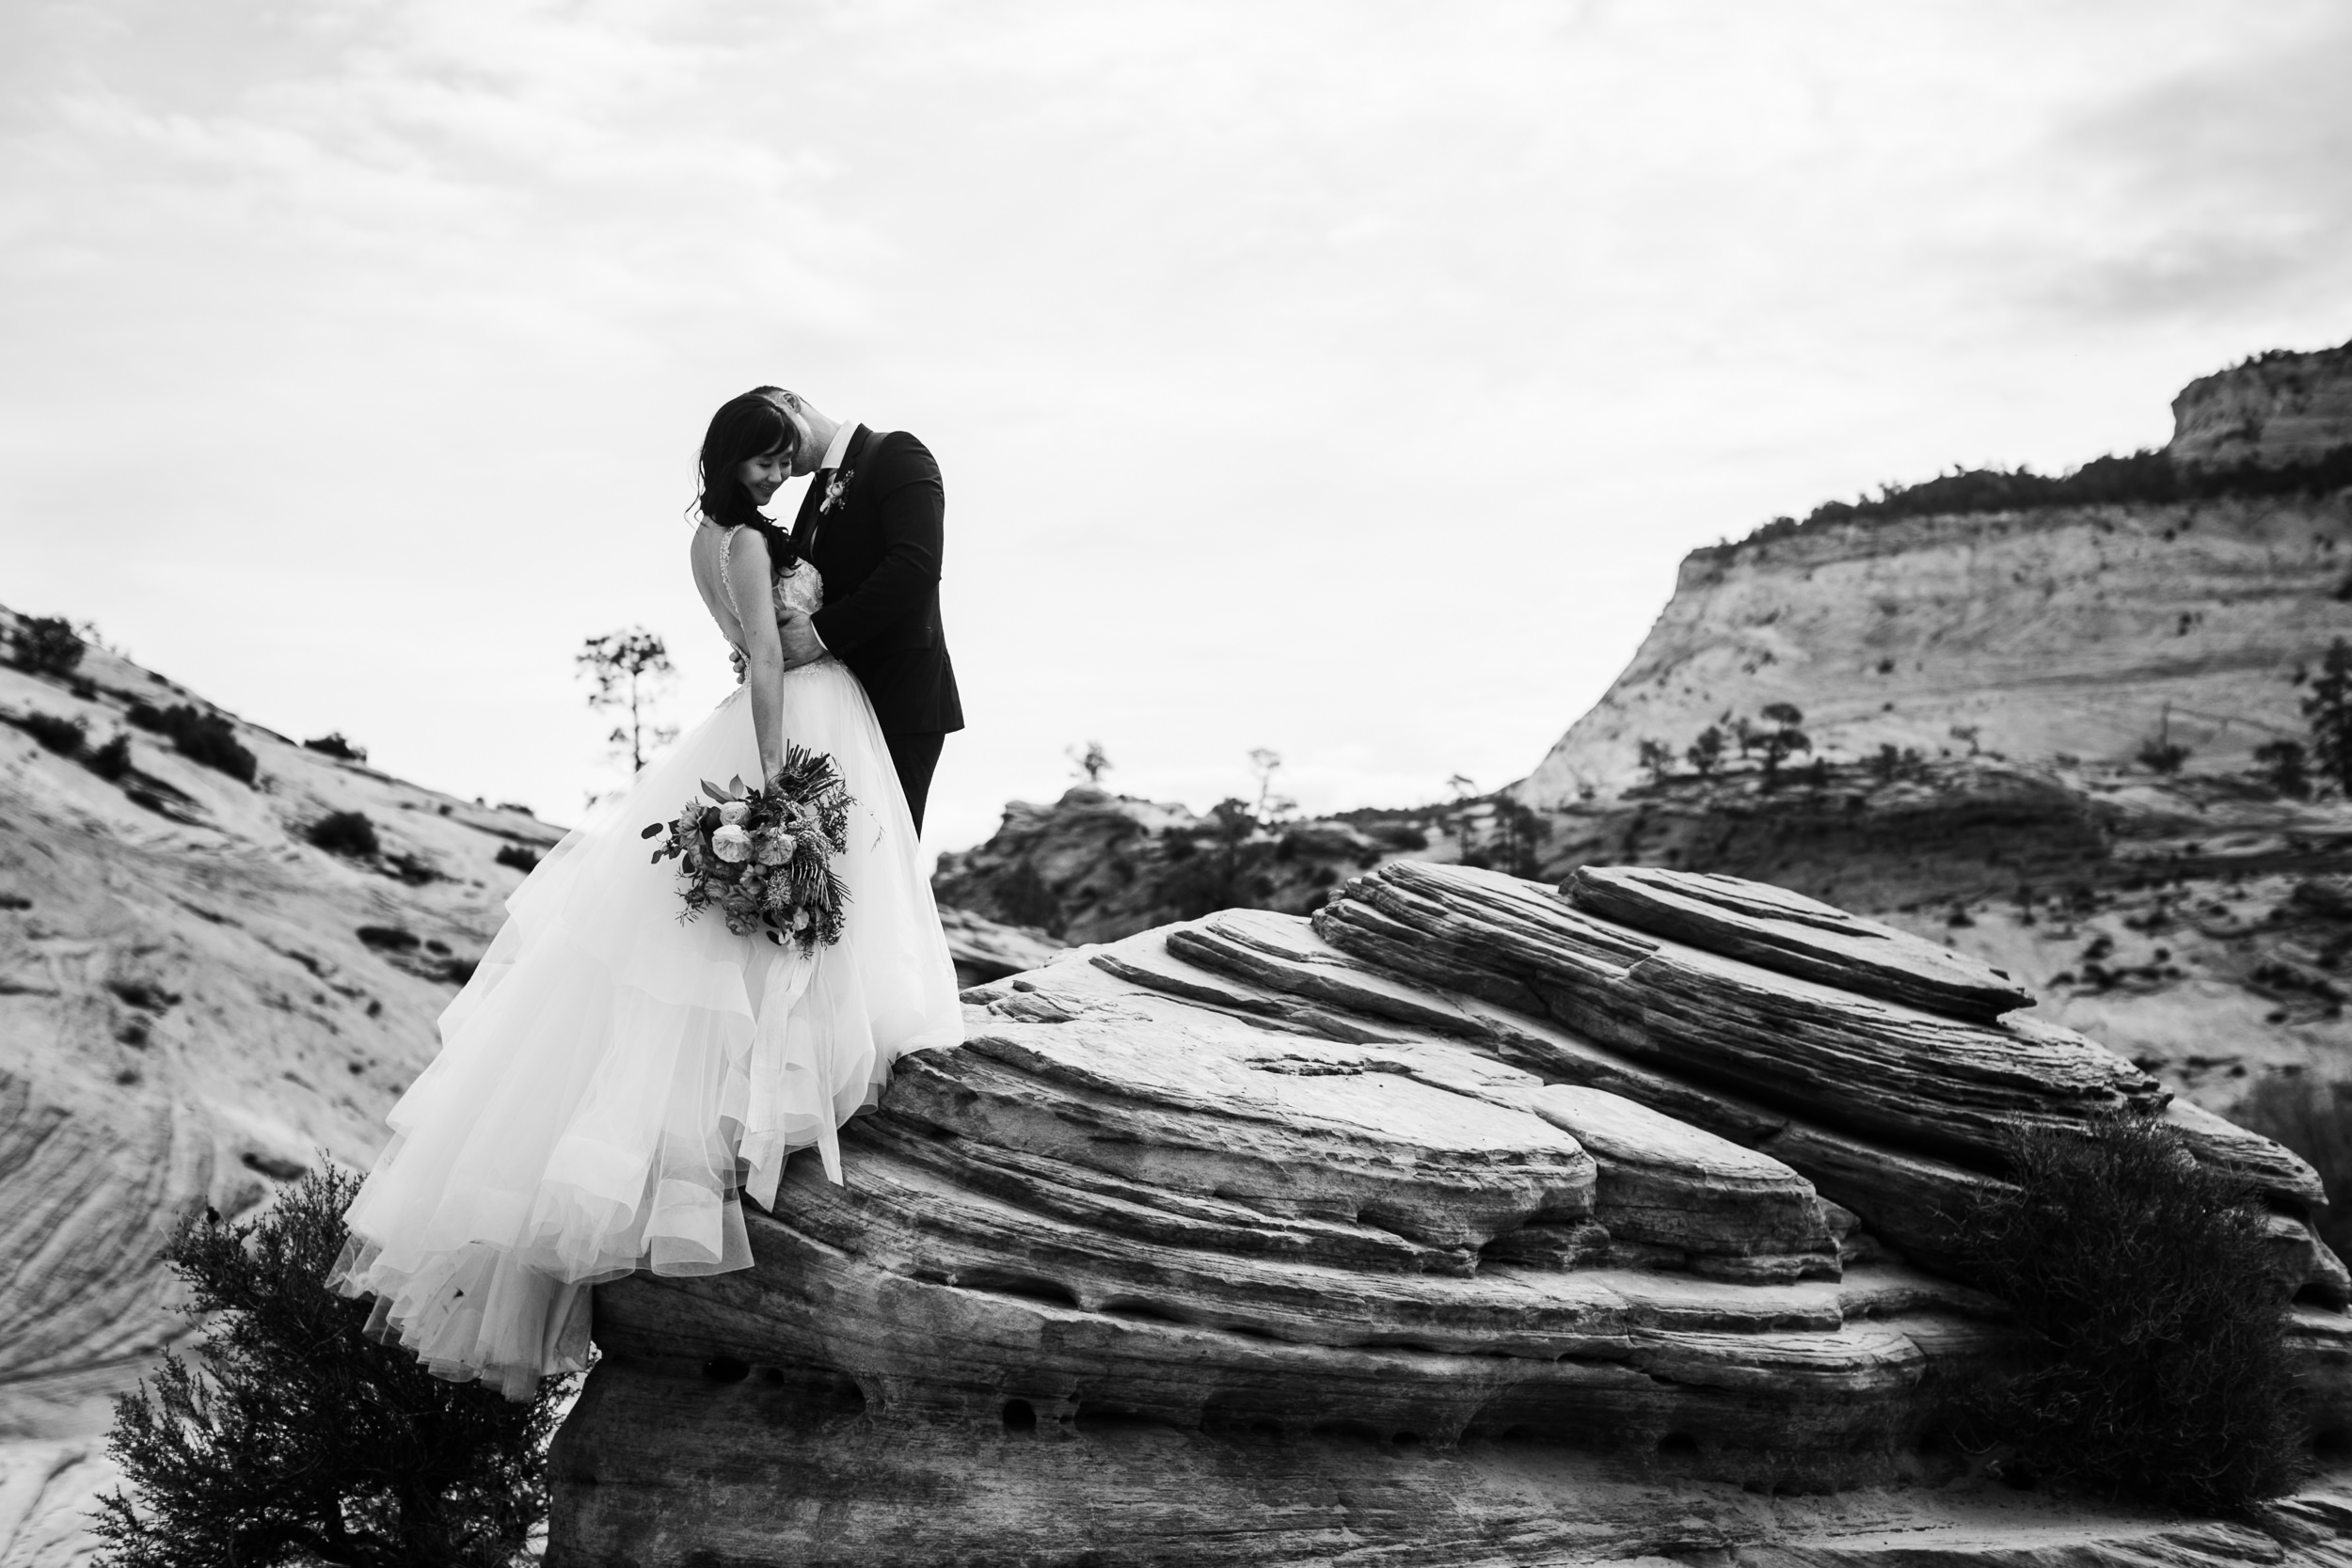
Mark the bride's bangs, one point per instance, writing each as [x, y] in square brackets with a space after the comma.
[782, 437]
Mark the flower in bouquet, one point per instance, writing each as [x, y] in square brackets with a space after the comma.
[764, 859]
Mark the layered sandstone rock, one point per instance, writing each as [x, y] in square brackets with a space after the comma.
[2274, 410]
[1468, 1223]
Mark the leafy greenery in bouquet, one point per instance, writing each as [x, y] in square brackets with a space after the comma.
[764, 858]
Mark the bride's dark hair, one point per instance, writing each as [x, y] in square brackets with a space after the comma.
[744, 428]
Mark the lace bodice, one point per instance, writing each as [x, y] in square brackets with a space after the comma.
[801, 589]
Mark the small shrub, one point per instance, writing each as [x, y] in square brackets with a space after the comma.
[206, 738]
[409, 869]
[112, 761]
[516, 856]
[61, 736]
[388, 939]
[45, 645]
[333, 744]
[346, 833]
[2143, 1283]
[144, 994]
[515, 805]
[293, 1438]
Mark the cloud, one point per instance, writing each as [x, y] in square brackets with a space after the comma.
[2220, 189]
[1331, 377]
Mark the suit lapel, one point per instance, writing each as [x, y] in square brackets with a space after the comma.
[813, 533]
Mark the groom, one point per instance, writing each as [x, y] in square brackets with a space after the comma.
[871, 523]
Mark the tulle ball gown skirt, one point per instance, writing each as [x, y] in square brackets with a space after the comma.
[612, 1078]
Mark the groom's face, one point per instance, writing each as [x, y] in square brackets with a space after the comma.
[805, 451]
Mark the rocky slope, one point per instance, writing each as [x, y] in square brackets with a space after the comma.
[1471, 1222]
[196, 1002]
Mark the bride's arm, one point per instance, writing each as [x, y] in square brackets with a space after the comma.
[763, 651]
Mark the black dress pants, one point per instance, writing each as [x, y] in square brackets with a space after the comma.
[916, 757]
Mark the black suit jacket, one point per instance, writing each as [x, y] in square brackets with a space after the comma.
[879, 549]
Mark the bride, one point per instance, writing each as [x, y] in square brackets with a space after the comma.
[612, 1081]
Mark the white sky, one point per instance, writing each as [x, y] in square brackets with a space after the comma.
[1346, 378]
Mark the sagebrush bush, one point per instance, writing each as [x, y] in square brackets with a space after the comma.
[60, 734]
[112, 760]
[516, 856]
[297, 1440]
[202, 738]
[2142, 1281]
[47, 644]
[333, 744]
[346, 833]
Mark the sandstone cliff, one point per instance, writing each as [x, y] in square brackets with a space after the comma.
[1471, 1222]
[2045, 632]
[2276, 409]
[2080, 633]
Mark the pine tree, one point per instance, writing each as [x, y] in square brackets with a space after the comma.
[1783, 740]
[297, 1440]
[1706, 751]
[630, 669]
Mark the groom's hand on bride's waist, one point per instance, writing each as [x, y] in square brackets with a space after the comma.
[801, 646]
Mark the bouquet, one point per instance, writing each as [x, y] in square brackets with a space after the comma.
[764, 858]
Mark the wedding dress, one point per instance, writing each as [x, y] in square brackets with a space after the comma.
[613, 1078]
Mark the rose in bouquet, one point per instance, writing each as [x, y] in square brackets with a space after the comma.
[764, 858]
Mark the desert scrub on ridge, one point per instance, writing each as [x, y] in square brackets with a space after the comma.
[2158, 1366]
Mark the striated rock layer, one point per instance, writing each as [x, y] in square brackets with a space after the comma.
[2276, 409]
[1471, 1222]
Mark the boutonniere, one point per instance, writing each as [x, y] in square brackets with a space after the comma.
[834, 487]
